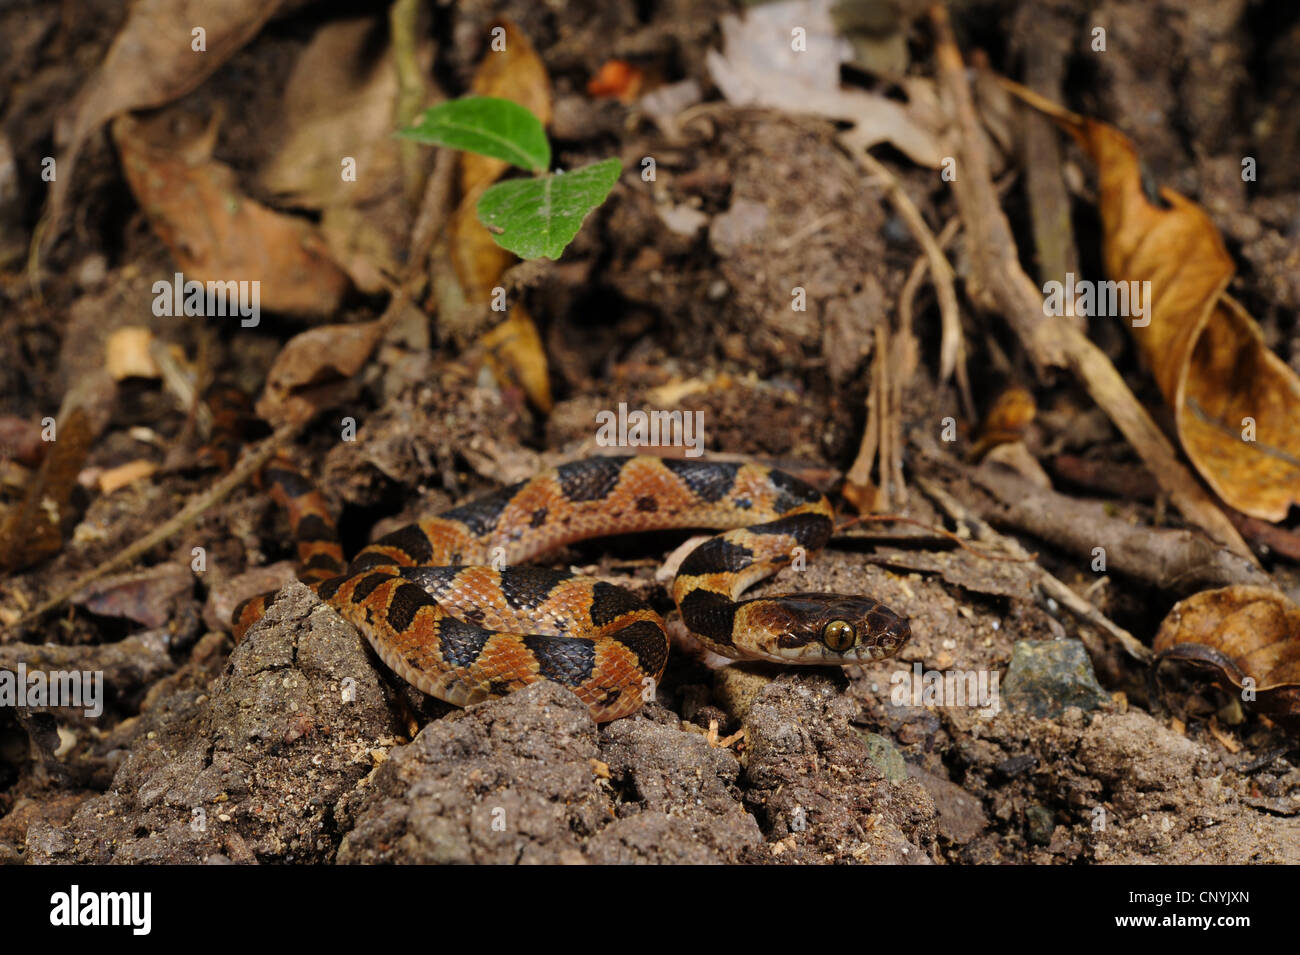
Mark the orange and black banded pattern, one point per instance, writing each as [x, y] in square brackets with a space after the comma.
[430, 602]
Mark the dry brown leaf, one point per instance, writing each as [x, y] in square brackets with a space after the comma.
[311, 368]
[152, 61]
[339, 107]
[515, 356]
[145, 596]
[1206, 353]
[517, 74]
[513, 350]
[32, 530]
[475, 255]
[216, 233]
[1243, 633]
[1005, 422]
[1236, 404]
[338, 102]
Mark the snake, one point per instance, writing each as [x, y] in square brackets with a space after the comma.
[451, 605]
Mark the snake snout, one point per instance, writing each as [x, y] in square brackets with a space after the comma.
[891, 637]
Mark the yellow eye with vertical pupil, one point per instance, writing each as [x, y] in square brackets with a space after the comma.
[838, 635]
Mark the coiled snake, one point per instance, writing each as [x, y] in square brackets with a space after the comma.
[446, 607]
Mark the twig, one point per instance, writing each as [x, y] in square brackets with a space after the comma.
[1045, 50]
[942, 532]
[1000, 285]
[920, 267]
[1052, 587]
[248, 465]
[403, 21]
[952, 346]
[435, 209]
[1170, 558]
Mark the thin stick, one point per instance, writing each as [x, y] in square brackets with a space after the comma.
[952, 346]
[941, 531]
[1052, 587]
[1003, 287]
[248, 465]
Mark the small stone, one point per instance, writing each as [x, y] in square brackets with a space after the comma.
[738, 226]
[1046, 677]
[887, 758]
[1039, 824]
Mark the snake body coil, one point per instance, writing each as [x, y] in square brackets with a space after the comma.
[446, 607]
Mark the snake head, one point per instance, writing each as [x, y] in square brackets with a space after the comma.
[824, 629]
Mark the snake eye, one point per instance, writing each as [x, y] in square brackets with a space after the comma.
[838, 635]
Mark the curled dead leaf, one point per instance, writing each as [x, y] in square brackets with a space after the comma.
[152, 61]
[32, 530]
[518, 74]
[1250, 636]
[217, 234]
[1005, 422]
[516, 357]
[312, 367]
[1236, 404]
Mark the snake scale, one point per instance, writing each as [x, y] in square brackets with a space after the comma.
[446, 604]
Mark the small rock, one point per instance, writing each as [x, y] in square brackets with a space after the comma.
[1039, 825]
[888, 760]
[738, 226]
[1047, 676]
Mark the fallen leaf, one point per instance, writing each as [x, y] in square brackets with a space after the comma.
[517, 74]
[475, 256]
[151, 62]
[1244, 634]
[148, 596]
[216, 233]
[338, 155]
[515, 356]
[32, 529]
[1005, 422]
[1236, 404]
[311, 368]
[758, 66]
[338, 102]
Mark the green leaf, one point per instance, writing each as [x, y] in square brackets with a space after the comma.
[488, 126]
[536, 218]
